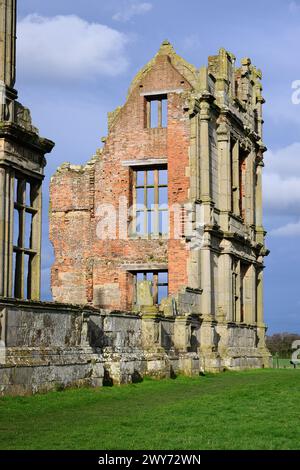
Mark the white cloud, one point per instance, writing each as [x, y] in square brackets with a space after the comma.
[285, 161]
[131, 9]
[282, 180]
[69, 48]
[281, 194]
[288, 230]
[282, 189]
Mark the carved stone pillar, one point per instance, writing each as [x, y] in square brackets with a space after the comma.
[205, 161]
[8, 42]
[259, 203]
[7, 58]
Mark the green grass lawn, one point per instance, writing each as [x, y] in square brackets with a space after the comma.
[232, 410]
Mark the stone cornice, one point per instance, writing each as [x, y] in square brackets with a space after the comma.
[12, 131]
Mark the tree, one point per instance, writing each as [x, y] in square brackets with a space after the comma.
[281, 344]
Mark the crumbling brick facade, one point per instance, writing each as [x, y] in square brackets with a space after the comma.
[84, 264]
[208, 262]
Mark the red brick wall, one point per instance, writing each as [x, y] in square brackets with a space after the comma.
[91, 262]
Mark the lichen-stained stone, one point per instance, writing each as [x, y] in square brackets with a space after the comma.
[144, 295]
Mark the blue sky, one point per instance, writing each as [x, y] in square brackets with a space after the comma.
[76, 60]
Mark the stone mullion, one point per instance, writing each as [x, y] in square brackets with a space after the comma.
[34, 269]
[134, 203]
[146, 231]
[20, 257]
[148, 113]
[156, 202]
[8, 232]
[159, 105]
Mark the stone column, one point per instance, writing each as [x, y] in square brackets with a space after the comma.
[10, 239]
[7, 59]
[260, 297]
[251, 167]
[2, 229]
[193, 265]
[8, 42]
[259, 203]
[205, 163]
[238, 293]
[250, 295]
[225, 175]
[194, 158]
[225, 183]
[248, 188]
[206, 276]
[236, 177]
[226, 287]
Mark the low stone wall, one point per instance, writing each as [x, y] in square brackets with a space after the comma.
[46, 346]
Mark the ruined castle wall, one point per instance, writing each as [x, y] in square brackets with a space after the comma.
[47, 346]
[50, 346]
[69, 228]
[88, 269]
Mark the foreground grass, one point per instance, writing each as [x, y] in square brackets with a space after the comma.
[233, 410]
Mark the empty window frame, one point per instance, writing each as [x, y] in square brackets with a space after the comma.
[24, 247]
[156, 111]
[159, 284]
[150, 199]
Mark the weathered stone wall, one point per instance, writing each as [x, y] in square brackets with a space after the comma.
[48, 346]
[44, 346]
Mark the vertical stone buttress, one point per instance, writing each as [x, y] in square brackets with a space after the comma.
[7, 56]
[7, 95]
[22, 165]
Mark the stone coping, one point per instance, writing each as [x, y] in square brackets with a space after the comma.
[57, 307]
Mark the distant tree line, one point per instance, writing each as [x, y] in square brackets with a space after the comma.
[281, 344]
